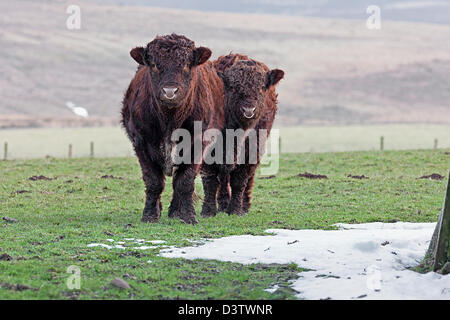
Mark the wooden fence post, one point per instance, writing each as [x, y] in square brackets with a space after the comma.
[92, 149]
[70, 151]
[5, 151]
[435, 144]
[382, 143]
[279, 144]
[438, 254]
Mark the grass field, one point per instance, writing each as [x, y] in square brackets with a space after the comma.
[112, 141]
[58, 218]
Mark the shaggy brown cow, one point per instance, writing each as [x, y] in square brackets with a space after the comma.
[174, 86]
[250, 103]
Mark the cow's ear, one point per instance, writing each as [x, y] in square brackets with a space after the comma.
[274, 76]
[138, 55]
[201, 55]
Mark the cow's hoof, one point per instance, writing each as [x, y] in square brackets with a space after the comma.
[189, 220]
[152, 214]
[173, 212]
[234, 211]
[150, 218]
[208, 211]
[223, 207]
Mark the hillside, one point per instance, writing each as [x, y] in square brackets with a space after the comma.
[337, 71]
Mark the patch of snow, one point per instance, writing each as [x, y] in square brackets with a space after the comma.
[92, 245]
[102, 245]
[156, 241]
[122, 244]
[273, 289]
[364, 261]
[144, 247]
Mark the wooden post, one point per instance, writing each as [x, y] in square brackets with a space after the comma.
[279, 144]
[70, 151]
[435, 144]
[438, 254]
[5, 154]
[92, 149]
[382, 143]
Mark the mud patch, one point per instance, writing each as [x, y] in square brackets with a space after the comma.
[434, 176]
[267, 177]
[357, 177]
[10, 220]
[5, 257]
[16, 287]
[38, 178]
[21, 191]
[312, 176]
[111, 177]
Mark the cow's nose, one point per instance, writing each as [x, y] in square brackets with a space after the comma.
[170, 93]
[249, 112]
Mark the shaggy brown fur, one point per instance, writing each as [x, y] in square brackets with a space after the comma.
[150, 120]
[250, 103]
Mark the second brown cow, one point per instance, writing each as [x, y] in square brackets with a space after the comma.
[250, 103]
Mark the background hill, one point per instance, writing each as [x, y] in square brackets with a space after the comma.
[397, 10]
[337, 71]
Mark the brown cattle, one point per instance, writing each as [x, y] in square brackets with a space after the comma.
[173, 87]
[250, 103]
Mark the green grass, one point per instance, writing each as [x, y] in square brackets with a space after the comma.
[58, 218]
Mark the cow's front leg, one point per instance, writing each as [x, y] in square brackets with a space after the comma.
[154, 185]
[238, 183]
[182, 205]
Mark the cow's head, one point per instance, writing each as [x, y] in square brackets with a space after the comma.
[246, 84]
[171, 61]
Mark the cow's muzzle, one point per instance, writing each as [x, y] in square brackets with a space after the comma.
[249, 113]
[169, 94]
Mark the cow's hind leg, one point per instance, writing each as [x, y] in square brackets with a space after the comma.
[210, 186]
[246, 201]
[224, 195]
[238, 183]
